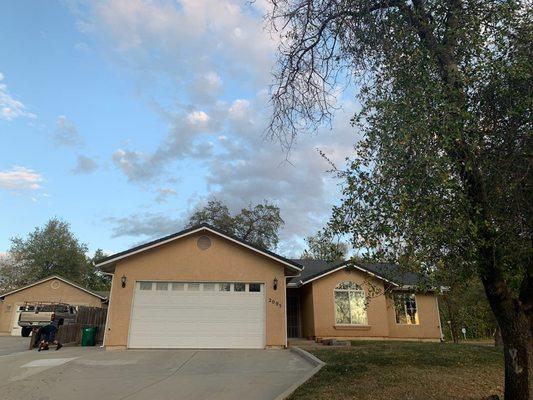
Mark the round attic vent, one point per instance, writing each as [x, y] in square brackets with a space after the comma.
[203, 243]
[55, 285]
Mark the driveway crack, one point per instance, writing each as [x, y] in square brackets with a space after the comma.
[162, 379]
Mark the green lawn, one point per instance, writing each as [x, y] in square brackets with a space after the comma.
[405, 370]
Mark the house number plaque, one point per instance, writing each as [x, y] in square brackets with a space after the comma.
[274, 302]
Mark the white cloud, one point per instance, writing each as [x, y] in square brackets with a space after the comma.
[66, 133]
[19, 179]
[9, 107]
[186, 38]
[198, 118]
[218, 57]
[205, 88]
[135, 165]
[239, 109]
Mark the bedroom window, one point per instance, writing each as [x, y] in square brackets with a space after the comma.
[406, 310]
[350, 307]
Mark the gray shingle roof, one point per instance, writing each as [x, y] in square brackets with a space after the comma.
[316, 268]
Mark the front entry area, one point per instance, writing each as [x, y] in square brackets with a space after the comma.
[294, 329]
[198, 315]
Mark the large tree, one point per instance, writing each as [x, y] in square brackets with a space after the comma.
[94, 278]
[12, 273]
[50, 250]
[443, 169]
[258, 224]
[324, 246]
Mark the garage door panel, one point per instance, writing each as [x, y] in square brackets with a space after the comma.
[197, 319]
[198, 314]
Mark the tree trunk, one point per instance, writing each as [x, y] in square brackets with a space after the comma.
[452, 322]
[498, 341]
[516, 330]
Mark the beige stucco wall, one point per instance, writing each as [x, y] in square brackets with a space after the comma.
[182, 260]
[324, 309]
[428, 317]
[380, 312]
[65, 293]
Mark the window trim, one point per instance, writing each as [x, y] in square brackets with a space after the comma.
[417, 318]
[335, 290]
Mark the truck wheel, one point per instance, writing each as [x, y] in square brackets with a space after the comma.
[25, 332]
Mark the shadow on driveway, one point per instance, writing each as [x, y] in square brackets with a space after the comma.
[13, 344]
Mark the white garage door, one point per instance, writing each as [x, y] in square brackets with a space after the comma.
[198, 315]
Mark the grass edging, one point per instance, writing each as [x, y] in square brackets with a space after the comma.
[318, 363]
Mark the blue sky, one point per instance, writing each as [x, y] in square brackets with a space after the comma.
[123, 116]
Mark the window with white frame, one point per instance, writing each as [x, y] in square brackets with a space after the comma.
[350, 305]
[405, 307]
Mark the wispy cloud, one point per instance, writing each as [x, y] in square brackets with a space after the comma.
[66, 133]
[18, 179]
[84, 165]
[149, 225]
[164, 193]
[9, 107]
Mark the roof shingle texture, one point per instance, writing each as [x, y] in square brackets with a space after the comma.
[390, 272]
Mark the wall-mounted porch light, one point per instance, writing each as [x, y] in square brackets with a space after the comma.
[275, 284]
[123, 281]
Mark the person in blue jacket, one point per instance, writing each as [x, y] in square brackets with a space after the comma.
[48, 334]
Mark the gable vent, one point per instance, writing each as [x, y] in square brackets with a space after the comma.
[204, 242]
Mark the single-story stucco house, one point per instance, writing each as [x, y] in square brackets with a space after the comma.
[203, 288]
[53, 289]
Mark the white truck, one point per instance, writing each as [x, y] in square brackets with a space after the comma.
[36, 315]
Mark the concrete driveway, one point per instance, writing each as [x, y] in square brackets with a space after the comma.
[92, 373]
[13, 344]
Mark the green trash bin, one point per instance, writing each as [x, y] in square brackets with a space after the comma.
[88, 336]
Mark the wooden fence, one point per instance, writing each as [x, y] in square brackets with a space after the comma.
[87, 316]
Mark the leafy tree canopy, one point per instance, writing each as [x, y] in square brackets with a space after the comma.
[322, 246]
[50, 250]
[258, 224]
